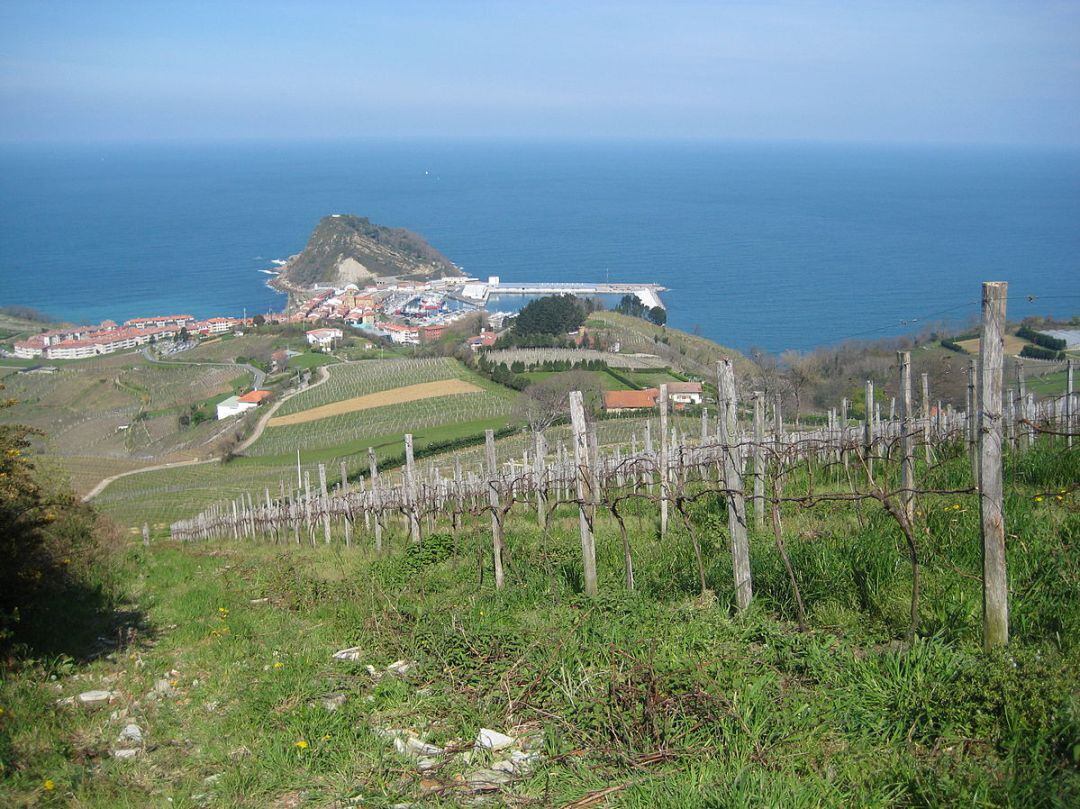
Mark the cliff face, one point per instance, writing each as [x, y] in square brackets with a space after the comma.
[346, 248]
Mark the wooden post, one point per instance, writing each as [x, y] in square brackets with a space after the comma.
[1022, 409]
[843, 431]
[145, 535]
[373, 474]
[345, 522]
[324, 504]
[665, 460]
[973, 417]
[411, 491]
[494, 502]
[1069, 401]
[924, 404]
[868, 429]
[583, 479]
[907, 449]
[759, 461]
[991, 366]
[733, 482]
[459, 498]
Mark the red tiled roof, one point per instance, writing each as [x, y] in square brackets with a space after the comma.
[630, 399]
[255, 396]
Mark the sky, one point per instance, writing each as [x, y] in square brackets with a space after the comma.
[921, 72]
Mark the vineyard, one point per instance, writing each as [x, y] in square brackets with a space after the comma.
[673, 472]
[349, 380]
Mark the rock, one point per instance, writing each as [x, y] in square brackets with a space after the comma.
[164, 688]
[418, 747]
[399, 668]
[523, 762]
[350, 654]
[125, 754]
[333, 702]
[131, 733]
[493, 740]
[486, 780]
[96, 699]
[504, 766]
[427, 763]
[260, 601]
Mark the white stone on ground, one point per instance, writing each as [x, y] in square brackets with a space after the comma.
[493, 740]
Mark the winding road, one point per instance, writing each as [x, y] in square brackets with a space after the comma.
[260, 425]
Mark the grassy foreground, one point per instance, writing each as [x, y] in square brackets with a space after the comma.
[663, 697]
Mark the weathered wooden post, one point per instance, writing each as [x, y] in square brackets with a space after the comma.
[1023, 412]
[1069, 402]
[345, 521]
[973, 417]
[924, 404]
[324, 505]
[759, 460]
[733, 482]
[665, 460]
[907, 449]
[145, 535]
[868, 429]
[991, 366]
[496, 506]
[411, 491]
[373, 475]
[583, 478]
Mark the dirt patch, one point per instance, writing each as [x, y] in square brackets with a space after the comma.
[1013, 345]
[408, 393]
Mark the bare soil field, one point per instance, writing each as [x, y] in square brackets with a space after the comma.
[407, 393]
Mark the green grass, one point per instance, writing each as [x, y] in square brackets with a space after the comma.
[312, 359]
[1048, 385]
[672, 699]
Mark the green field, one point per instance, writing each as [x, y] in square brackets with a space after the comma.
[663, 697]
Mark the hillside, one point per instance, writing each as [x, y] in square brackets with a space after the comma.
[352, 249]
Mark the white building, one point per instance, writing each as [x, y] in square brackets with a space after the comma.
[324, 338]
[232, 407]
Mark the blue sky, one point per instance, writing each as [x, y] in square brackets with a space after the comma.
[975, 72]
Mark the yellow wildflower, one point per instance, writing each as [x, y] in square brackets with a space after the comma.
[279, 665]
[1038, 498]
[49, 785]
[301, 745]
[326, 737]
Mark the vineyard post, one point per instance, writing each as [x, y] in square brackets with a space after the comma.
[924, 407]
[411, 491]
[459, 500]
[991, 362]
[1069, 401]
[1022, 410]
[733, 482]
[907, 462]
[345, 522]
[324, 504]
[972, 417]
[843, 431]
[649, 453]
[493, 501]
[145, 535]
[307, 507]
[373, 473]
[665, 445]
[868, 429]
[583, 479]
[235, 522]
[759, 460]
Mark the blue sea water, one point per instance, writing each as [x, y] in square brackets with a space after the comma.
[771, 245]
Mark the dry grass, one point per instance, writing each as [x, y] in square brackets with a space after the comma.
[408, 393]
[1013, 345]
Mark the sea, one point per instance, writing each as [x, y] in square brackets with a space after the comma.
[766, 245]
